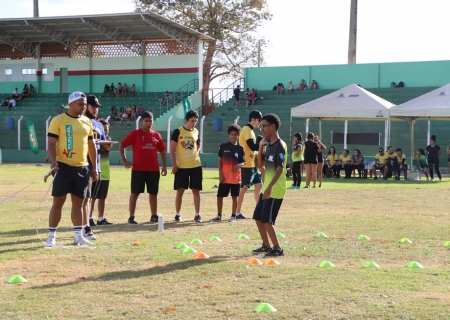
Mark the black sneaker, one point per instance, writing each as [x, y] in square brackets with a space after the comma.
[132, 221]
[103, 222]
[216, 218]
[275, 252]
[240, 216]
[198, 218]
[262, 249]
[91, 222]
[154, 219]
[178, 218]
[397, 178]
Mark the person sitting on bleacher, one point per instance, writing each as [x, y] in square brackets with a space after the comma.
[140, 110]
[313, 85]
[254, 96]
[132, 90]
[130, 113]
[106, 90]
[345, 162]
[16, 94]
[290, 88]
[113, 115]
[379, 163]
[357, 162]
[31, 90]
[61, 109]
[280, 88]
[119, 89]
[112, 90]
[391, 162]
[401, 163]
[125, 89]
[303, 85]
[25, 91]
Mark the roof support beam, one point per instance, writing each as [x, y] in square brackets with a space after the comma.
[115, 34]
[181, 37]
[19, 44]
[58, 36]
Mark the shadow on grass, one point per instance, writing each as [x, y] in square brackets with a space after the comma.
[134, 274]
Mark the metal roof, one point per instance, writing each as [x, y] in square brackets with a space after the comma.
[123, 28]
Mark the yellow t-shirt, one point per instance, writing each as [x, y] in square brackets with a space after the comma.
[332, 159]
[381, 158]
[73, 135]
[186, 150]
[247, 133]
[345, 160]
[400, 159]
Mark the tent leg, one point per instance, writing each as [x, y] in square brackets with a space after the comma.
[345, 133]
[320, 129]
[307, 126]
[411, 133]
[385, 135]
[428, 132]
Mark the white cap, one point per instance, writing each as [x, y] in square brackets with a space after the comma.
[77, 95]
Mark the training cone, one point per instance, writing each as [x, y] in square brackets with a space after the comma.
[271, 262]
[182, 246]
[189, 250]
[280, 235]
[254, 261]
[201, 255]
[370, 264]
[17, 279]
[196, 241]
[264, 307]
[325, 264]
[404, 240]
[363, 237]
[243, 237]
[447, 244]
[320, 235]
[215, 238]
[414, 265]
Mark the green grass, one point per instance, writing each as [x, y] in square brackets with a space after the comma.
[117, 280]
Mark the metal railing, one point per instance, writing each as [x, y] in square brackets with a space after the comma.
[166, 103]
[226, 94]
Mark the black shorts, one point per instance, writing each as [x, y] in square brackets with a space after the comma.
[379, 166]
[319, 158]
[310, 160]
[74, 180]
[225, 188]
[266, 210]
[139, 179]
[237, 98]
[188, 178]
[102, 190]
[249, 177]
[93, 187]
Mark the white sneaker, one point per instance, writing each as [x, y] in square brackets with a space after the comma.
[432, 179]
[441, 180]
[232, 219]
[51, 242]
[89, 235]
[216, 218]
[81, 240]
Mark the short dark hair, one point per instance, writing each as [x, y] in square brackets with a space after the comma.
[310, 135]
[272, 118]
[102, 121]
[146, 114]
[234, 127]
[390, 147]
[191, 114]
[433, 137]
[255, 114]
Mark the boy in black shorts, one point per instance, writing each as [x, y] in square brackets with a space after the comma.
[145, 167]
[272, 154]
[231, 158]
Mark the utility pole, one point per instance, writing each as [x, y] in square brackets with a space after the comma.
[352, 32]
[36, 8]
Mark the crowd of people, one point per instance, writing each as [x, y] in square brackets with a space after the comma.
[250, 97]
[11, 101]
[291, 88]
[119, 91]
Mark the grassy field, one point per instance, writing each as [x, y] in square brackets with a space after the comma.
[121, 281]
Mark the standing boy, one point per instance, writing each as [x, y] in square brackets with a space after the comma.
[231, 159]
[145, 167]
[272, 154]
[187, 167]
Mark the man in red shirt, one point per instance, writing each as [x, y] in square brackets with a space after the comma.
[145, 167]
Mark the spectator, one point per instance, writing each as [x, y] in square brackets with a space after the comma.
[61, 109]
[140, 110]
[280, 88]
[31, 90]
[421, 162]
[357, 162]
[16, 94]
[332, 162]
[290, 87]
[112, 90]
[433, 151]
[312, 150]
[119, 89]
[25, 91]
[236, 93]
[254, 96]
[401, 163]
[8, 102]
[125, 89]
[390, 163]
[130, 113]
[134, 110]
[379, 163]
[5, 102]
[247, 98]
[106, 90]
[303, 85]
[113, 115]
[313, 85]
[132, 90]
[345, 160]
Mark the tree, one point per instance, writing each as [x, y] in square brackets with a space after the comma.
[232, 23]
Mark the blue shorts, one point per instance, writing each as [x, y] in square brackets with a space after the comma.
[249, 177]
[266, 210]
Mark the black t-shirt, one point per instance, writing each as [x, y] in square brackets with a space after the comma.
[433, 156]
[311, 148]
[237, 92]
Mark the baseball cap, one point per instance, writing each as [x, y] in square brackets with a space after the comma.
[93, 101]
[74, 96]
[398, 149]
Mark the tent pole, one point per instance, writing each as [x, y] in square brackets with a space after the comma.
[389, 127]
[307, 126]
[320, 129]
[385, 135]
[428, 132]
[290, 133]
[411, 133]
[345, 133]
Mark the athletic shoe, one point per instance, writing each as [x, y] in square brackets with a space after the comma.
[132, 221]
[240, 216]
[397, 178]
[89, 235]
[432, 180]
[262, 249]
[154, 219]
[441, 180]
[375, 178]
[232, 219]
[51, 242]
[81, 241]
[308, 186]
[178, 218]
[275, 252]
[198, 218]
[216, 218]
[91, 222]
[103, 222]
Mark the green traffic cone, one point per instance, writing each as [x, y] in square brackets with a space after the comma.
[182, 246]
[370, 264]
[320, 235]
[363, 237]
[17, 279]
[404, 240]
[264, 307]
[196, 241]
[447, 244]
[189, 250]
[325, 264]
[414, 265]
[280, 235]
[215, 238]
[243, 237]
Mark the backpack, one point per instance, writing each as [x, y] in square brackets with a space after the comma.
[400, 84]
[393, 85]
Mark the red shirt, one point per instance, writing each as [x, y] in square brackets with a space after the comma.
[145, 148]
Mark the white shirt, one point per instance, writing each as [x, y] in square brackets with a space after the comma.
[12, 102]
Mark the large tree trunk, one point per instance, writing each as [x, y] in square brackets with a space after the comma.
[207, 71]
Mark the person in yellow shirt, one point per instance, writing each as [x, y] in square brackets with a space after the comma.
[345, 162]
[379, 163]
[391, 163]
[401, 164]
[332, 162]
